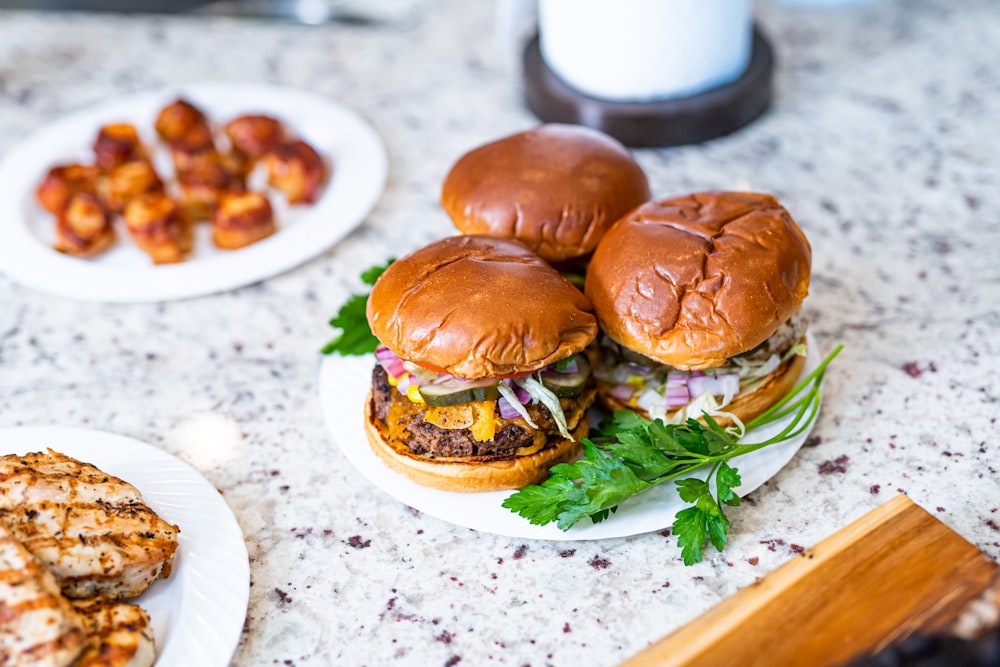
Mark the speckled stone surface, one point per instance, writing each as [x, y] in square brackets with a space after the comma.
[882, 141]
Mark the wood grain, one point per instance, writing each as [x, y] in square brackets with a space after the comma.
[892, 572]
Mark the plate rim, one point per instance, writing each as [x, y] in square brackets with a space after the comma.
[220, 638]
[349, 198]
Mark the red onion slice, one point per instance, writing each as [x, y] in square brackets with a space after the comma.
[507, 411]
[677, 396]
[676, 379]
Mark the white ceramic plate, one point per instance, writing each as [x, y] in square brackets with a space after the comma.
[124, 273]
[344, 383]
[198, 612]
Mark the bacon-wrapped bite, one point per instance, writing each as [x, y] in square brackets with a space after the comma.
[159, 227]
[254, 134]
[233, 162]
[198, 138]
[202, 178]
[84, 228]
[242, 219]
[126, 182]
[62, 182]
[296, 169]
[117, 144]
[237, 163]
[183, 125]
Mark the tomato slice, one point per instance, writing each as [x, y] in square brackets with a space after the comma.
[438, 369]
[514, 376]
[431, 367]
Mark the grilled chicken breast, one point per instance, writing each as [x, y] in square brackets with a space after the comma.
[119, 634]
[38, 626]
[92, 530]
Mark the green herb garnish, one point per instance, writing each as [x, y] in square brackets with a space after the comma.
[356, 336]
[563, 364]
[633, 454]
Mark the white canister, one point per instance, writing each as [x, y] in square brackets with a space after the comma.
[644, 50]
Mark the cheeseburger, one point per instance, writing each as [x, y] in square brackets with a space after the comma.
[556, 188]
[479, 383]
[698, 300]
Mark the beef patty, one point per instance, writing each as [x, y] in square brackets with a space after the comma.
[430, 440]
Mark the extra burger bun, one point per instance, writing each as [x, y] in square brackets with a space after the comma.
[695, 280]
[745, 406]
[471, 474]
[479, 307]
[557, 188]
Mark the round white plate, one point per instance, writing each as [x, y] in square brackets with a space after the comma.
[198, 612]
[124, 273]
[344, 383]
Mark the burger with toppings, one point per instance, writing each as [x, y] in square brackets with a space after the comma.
[698, 300]
[480, 382]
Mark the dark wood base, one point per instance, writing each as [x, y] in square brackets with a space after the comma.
[673, 122]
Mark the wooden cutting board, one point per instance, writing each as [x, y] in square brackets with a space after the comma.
[893, 572]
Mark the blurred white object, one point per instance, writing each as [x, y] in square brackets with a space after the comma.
[642, 50]
[206, 440]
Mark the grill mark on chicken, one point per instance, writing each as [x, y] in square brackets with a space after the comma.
[38, 626]
[119, 634]
[91, 529]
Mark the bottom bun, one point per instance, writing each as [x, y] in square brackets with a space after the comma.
[744, 406]
[471, 475]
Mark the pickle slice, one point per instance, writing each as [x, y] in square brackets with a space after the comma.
[455, 391]
[567, 384]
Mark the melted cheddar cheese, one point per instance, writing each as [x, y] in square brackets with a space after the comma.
[480, 417]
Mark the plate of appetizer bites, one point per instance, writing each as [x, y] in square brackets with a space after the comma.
[185, 191]
[111, 546]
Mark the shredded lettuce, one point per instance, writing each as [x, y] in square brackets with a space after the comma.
[729, 396]
[653, 403]
[800, 348]
[541, 393]
[751, 370]
[707, 404]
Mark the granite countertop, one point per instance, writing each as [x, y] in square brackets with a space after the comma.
[881, 142]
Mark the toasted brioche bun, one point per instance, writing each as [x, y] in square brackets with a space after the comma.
[471, 474]
[479, 307]
[557, 188]
[744, 406]
[695, 280]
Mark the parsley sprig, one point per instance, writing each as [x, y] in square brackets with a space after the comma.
[355, 336]
[633, 454]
